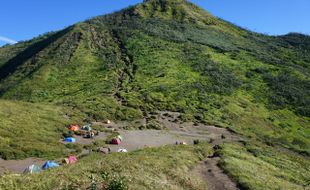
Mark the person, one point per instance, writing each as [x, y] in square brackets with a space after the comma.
[92, 134]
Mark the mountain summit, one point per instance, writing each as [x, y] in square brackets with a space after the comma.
[162, 64]
[105, 57]
[179, 10]
[166, 55]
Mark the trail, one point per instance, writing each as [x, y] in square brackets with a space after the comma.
[176, 130]
[207, 170]
[216, 179]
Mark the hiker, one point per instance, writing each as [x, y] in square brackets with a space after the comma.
[92, 134]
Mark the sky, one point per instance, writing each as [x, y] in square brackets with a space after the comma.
[23, 20]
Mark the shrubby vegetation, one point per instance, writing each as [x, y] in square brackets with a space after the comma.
[163, 55]
[288, 90]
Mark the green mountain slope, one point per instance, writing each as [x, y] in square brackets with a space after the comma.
[171, 55]
[33, 130]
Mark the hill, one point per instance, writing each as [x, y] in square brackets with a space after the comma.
[164, 55]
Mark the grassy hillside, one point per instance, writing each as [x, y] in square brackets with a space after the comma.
[162, 55]
[33, 130]
[152, 168]
[256, 166]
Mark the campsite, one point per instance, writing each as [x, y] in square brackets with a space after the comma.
[155, 94]
[129, 140]
[124, 141]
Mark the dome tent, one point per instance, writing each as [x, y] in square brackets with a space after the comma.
[120, 137]
[122, 150]
[49, 164]
[104, 150]
[32, 169]
[74, 127]
[107, 121]
[70, 139]
[116, 141]
[72, 159]
[87, 127]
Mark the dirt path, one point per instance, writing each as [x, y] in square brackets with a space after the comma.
[208, 170]
[216, 179]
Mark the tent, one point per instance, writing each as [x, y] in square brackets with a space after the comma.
[120, 137]
[104, 150]
[122, 150]
[49, 164]
[72, 159]
[65, 161]
[32, 169]
[116, 141]
[87, 128]
[74, 128]
[70, 139]
[107, 121]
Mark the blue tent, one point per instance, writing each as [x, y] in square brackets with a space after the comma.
[70, 139]
[49, 164]
[32, 169]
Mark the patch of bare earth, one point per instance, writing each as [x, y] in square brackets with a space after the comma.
[207, 170]
[175, 131]
[18, 166]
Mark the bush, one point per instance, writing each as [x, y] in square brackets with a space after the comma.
[289, 90]
[114, 182]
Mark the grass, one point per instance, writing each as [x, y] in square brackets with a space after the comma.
[274, 127]
[160, 55]
[257, 166]
[33, 130]
[151, 168]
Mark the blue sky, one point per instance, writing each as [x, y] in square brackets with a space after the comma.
[22, 20]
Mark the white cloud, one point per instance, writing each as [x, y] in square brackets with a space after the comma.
[7, 40]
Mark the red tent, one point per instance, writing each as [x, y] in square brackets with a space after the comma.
[116, 141]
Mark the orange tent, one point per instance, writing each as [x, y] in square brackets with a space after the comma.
[74, 127]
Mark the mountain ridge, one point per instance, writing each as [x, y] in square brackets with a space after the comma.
[159, 60]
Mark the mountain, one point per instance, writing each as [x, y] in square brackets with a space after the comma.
[164, 55]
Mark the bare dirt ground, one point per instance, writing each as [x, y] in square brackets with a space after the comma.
[209, 171]
[18, 166]
[175, 131]
[86, 141]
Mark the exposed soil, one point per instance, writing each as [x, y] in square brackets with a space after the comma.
[209, 171]
[176, 131]
[86, 141]
[18, 166]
